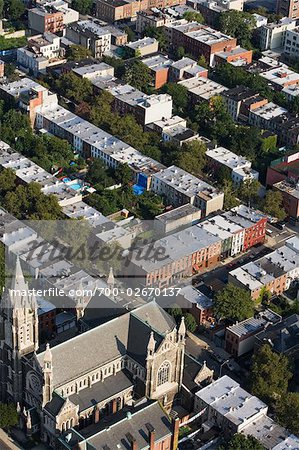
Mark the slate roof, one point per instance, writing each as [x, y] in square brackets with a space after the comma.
[116, 436]
[55, 405]
[107, 342]
[102, 390]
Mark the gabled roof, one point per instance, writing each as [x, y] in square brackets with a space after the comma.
[113, 339]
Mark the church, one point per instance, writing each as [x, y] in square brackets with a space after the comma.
[82, 381]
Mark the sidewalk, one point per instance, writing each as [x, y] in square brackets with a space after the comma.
[8, 441]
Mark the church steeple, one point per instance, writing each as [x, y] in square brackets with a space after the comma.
[48, 376]
[19, 319]
[21, 328]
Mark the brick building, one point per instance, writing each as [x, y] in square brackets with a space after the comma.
[288, 8]
[117, 10]
[200, 40]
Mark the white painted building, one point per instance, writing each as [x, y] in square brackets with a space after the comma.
[239, 166]
[273, 35]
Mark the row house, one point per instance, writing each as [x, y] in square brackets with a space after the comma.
[170, 259]
[121, 10]
[241, 100]
[274, 272]
[179, 187]
[254, 222]
[239, 167]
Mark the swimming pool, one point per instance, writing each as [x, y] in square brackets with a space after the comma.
[66, 179]
[138, 190]
[75, 186]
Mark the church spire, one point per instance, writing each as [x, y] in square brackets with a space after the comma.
[182, 329]
[110, 279]
[48, 375]
[151, 345]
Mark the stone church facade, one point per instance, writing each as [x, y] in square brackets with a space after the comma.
[91, 376]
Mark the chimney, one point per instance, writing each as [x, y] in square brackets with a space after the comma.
[132, 441]
[151, 435]
[175, 433]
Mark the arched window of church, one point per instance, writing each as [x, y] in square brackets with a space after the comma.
[163, 373]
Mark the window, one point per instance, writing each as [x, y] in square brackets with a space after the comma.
[163, 373]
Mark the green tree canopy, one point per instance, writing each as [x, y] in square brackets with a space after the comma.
[82, 6]
[179, 95]
[123, 174]
[270, 374]
[138, 75]
[74, 88]
[249, 191]
[273, 204]
[233, 303]
[14, 9]
[238, 24]
[98, 174]
[77, 52]
[191, 157]
[8, 415]
[288, 412]
[241, 442]
[190, 322]
[193, 16]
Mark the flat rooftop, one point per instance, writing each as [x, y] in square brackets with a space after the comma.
[157, 62]
[186, 183]
[269, 111]
[228, 158]
[288, 187]
[177, 213]
[231, 401]
[203, 87]
[141, 43]
[177, 246]
[281, 76]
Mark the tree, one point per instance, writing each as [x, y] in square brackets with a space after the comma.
[74, 88]
[294, 106]
[233, 303]
[1, 8]
[77, 52]
[179, 95]
[159, 35]
[130, 33]
[8, 415]
[190, 322]
[273, 204]
[241, 442]
[176, 312]
[14, 9]
[7, 181]
[138, 75]
[180, 52]
[98, 174]
[288, 412]
[193, 16]
[192, 157]
[270, 374]
[123, 174]
[202, 62]
[249, 191]
[238, 24]
[2, 266]
[230, 200]
[82, 6]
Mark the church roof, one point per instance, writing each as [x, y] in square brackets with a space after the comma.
[55, 405]
[101, 391]
[107, 342]
[117, 435]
